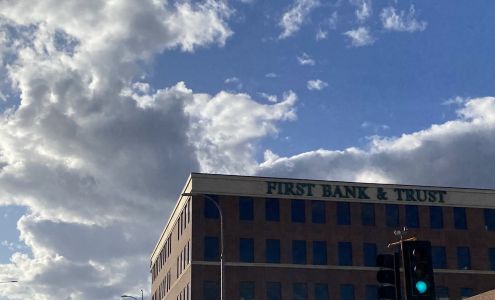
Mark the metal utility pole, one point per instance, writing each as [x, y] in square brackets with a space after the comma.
[222, 277]
[400, 234]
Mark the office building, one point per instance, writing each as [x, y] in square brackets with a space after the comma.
[309, 239]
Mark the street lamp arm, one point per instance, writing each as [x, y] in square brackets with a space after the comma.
[126, 296]
[221, 246]
[221, 222]
[221, 239]
[9, 281]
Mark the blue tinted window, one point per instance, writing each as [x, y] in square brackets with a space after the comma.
[273, 251]
[463, 258]
[246, 290]
[371, 292]
[345, 254]
[321, 291]
[438, 257]
[466, 292]
[300, 291]
[211, 290]
[346, 292]
[318, 215]
[367, 213]
[319, 252]
[369, 251]
[246, 210]
[436, 217]
[460, 218]
[392, 215]
[211, 211]
[246, 250]
[273, 291]
[489, 219]
[211, 252]
[412, 216]
[272, 210]
[297, 211]
[343, 213]
[299, 252]
[491, 256]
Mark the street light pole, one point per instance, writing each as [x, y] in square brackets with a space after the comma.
[222, 277]
[10, 281]
[221, 246]
[127, 296]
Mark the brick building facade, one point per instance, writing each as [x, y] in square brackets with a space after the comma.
[308, 239]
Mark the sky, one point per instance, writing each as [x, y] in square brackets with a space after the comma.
[107, 106]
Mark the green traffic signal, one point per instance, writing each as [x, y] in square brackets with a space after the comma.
[421, 286]
[418, 269]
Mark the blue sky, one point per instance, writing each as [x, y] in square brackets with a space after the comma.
[108, 106]
[10, 235]
[400, 81]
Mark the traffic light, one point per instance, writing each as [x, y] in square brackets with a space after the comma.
[418, 269]
[388, 276]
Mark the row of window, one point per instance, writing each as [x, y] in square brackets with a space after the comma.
[299, 251]
[184, 219]
[319, 252]
[183, 259]
[163, 288]
[181, 224]
[439, 258]
[343, 213]
[162, 258]
[274, 291]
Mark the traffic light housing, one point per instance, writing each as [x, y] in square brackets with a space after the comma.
[388, 276]
[418, 269]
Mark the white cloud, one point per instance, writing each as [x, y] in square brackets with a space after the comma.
[321, 34]
[271, 75]
[457, 100]
[234, 81]
[332, 21]
[364, 10]
[360, 37]
[295, 16]
[306, 60]
[460, 153]
[142, 87]
[271, 98]
[401, 22]
[83, 172]
[226, 143]
[96, 156]
[373, 126]
[316, 85]
[328, 24]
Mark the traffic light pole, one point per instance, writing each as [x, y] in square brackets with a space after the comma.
[399, 242]
[398, 294]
